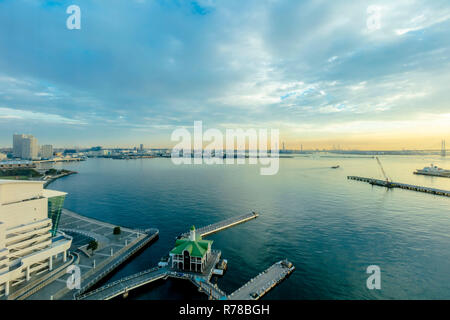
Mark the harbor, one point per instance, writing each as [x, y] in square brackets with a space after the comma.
[390, 184]
[283, 230]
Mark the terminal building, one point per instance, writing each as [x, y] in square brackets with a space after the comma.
[191, 254]
[29, 241]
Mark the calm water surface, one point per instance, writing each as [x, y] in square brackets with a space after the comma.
[329, 227]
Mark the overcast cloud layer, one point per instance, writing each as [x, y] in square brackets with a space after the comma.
[136, 70]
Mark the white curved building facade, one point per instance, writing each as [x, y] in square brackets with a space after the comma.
[27, 247]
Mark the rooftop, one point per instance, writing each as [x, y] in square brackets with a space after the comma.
[195, 248]
[6, 181]
[52, 193]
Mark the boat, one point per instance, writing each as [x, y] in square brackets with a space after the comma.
[335, 167]
[433, 171]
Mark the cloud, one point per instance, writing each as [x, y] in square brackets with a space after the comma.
[8, 113]
[313, 63]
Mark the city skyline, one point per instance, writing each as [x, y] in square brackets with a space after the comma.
[39, 148]
[135, 71]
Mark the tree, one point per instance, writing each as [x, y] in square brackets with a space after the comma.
[116, 230]
[93, 245]
[51, 172]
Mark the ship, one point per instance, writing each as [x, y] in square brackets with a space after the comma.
[433, 171]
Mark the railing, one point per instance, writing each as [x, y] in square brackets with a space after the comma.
[112, 284]
[61, 270]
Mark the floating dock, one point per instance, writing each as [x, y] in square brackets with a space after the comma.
[225, 224]
[405, 186]
[262, 283]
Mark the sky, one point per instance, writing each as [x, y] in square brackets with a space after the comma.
[359, 75]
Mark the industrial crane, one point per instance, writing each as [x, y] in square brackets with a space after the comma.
[388, 181]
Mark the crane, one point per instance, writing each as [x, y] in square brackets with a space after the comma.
[388, 182]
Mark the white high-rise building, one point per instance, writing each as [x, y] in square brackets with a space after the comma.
[47, 151]
[25, 146]
[29, 241]
[29, 148]
[17, 145]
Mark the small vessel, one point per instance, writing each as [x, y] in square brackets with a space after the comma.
[335, 167]
[433, 171]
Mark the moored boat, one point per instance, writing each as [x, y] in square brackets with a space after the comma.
[433, 171]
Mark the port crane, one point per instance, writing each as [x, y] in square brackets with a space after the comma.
[388, 181]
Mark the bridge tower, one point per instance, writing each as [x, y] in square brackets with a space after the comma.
[443, 148]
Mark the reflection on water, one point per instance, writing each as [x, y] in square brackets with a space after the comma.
[329, 227]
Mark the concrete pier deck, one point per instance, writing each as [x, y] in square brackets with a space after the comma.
[261, 284]
[404, 186]
[225, 224]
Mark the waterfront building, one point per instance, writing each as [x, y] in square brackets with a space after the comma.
[191, 254]
[47, 151]
[29, 241]
[25, 146]
[2, 156]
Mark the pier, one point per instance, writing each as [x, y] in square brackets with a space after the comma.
[252, 290]
[262, 283]
[225, 224]
[405, 186]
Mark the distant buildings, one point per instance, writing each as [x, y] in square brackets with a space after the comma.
[29, 217]
[25, 146]
[47, 151]
[141, 147]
